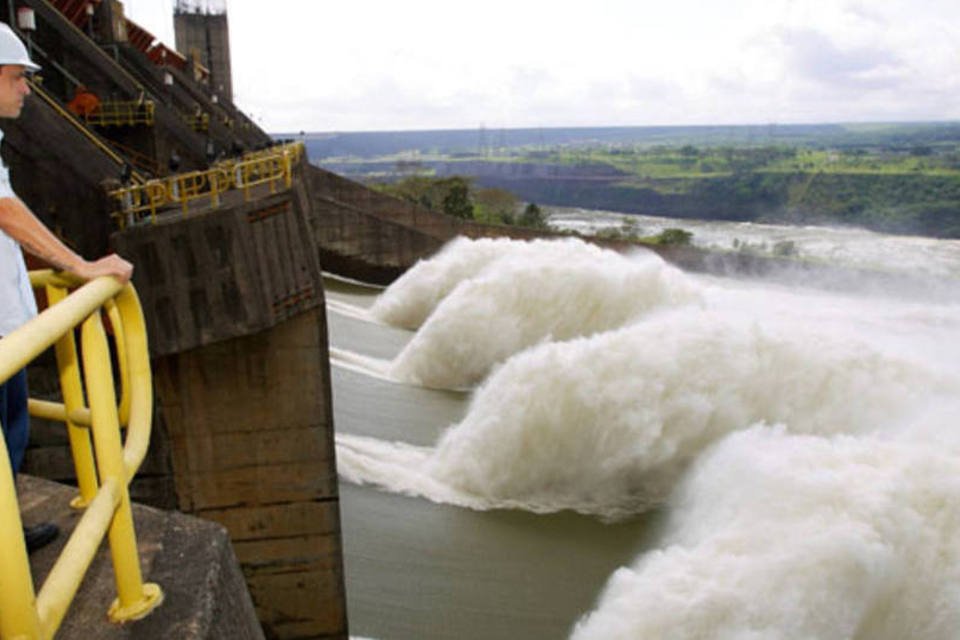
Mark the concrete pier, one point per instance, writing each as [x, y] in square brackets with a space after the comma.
[190, 558]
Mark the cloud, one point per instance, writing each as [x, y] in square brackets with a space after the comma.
[813, 55]
[534, 64]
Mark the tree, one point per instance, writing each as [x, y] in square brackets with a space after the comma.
[416, 189]
[495, 205]
[674, 236]
[533, 217]
[456, 202]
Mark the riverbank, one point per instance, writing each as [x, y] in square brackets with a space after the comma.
[898, 178]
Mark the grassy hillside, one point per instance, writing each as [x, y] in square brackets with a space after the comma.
[895, 178]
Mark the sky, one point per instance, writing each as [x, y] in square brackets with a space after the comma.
[383, 65]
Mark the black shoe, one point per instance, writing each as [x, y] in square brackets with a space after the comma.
[40, 535]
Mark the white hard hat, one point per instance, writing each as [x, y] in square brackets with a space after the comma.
[12, 50]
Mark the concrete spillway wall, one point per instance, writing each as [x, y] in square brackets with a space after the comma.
[234, 302]
[231, 271]
[251, 430]
[363, 234]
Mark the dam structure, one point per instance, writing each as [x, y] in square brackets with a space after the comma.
[230, 233]
[325, 461]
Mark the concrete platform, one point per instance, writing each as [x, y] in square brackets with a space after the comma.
[191, 559]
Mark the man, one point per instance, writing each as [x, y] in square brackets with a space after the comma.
[20, 227]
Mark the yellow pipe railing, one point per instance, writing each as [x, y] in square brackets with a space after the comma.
[198, 121]
[273, 167]
[122, 113]
[104, 464]
[72, 119]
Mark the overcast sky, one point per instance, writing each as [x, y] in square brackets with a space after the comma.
[319, 65]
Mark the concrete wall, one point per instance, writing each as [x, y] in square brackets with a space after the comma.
[190, 559]
[251, 427]
[363, 234]
[208, 36]
[355, 244]
[228, 272]
[234, 304]
[327, 186]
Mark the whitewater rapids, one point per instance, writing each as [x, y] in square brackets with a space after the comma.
[805, 444]
[486, 300]
[778, 537]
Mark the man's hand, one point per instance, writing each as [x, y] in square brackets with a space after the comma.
[111, 265]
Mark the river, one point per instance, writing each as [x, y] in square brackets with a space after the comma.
[550, 440]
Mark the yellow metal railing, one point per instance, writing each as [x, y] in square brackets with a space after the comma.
[104, 464]
[198, 121]
[272, 167]
[72, 119]
[119, 113]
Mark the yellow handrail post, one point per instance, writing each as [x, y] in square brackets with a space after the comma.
[120, 342]
[287, 170]
[72, 389]
[141, 389]
[134, 598]
[17, 598]
[157, 192]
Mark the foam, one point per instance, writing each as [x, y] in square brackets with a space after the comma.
[410, 299]
[548, 291]
[838, 522]
[778, 536]
[605, 425]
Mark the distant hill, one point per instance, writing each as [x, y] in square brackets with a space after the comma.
[899, 178]
[482, 141]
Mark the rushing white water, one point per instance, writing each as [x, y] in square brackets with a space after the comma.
[806, 443]
[847, 246]
[413, 296]
[604, 425]
[551, 291]
[779, 537]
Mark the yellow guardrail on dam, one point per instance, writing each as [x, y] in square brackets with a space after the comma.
[121, 113]
[272, 166]
[75, 122]
[198, 121]
[104, 464]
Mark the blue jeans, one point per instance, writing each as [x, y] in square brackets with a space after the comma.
[15, 418]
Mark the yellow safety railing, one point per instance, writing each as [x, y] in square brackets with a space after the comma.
[272, 167]
[72, 119]
[198, 121]
[118, 113]
[104, 464]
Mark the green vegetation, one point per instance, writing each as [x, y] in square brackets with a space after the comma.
[495, 206]
[456, 200]
[533, 217]
[458, 197]
[670, 237]
[908, 189]
[897, 178]
[659, 162]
